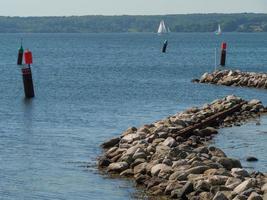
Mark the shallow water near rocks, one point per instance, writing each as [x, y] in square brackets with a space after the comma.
[91, 87]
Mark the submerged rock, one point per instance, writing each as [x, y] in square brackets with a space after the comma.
[251, 159]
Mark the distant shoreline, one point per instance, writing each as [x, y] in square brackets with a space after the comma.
[243, 22]
[121, 33]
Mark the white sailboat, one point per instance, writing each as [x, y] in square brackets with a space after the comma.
[219, 31]
[163, 28]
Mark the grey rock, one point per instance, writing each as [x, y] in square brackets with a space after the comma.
[181, 193]
[130, 138]
[197, 170]
[137, 162]
[140, 169]
[187, 188]
[240, 197]
[248, 192]
[220, 196]
[131, 150]
[118, 167]
[254, 196]
[202, 186]
[173, 185]
[140, 178]
[229, 163]
[238, 172]
[111, 143]
[217, 180]
[207, 132]
[203, 150]
[127, 173]
[249, 183]
[130, 130]
[205, 196]
[254, 102]
[264, 187]
[138, 155]
[178, 176]
[179, 163]
[216, 152]
[232, 182]
[167, 161]
[170, 142]
[165, 173]
[103, 162]
[155, 170]
[163, 135]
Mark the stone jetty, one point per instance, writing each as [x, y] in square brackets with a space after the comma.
[174, 159]
[235, 78]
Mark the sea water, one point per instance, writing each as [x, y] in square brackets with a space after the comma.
[91, 87]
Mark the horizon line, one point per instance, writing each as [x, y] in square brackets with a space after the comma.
[121, 15]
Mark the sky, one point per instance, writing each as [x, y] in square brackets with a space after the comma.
[127, 7]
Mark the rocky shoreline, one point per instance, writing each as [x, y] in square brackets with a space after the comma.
[172, 157]
[235, 78]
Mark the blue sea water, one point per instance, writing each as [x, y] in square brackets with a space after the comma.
[91, 87]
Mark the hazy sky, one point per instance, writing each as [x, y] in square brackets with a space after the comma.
[130, 7]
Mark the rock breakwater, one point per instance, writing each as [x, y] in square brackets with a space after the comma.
[235, 78]
[172, 157]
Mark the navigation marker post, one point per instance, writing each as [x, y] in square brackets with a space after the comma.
[26, 71]
[164, 48]
[223, 54]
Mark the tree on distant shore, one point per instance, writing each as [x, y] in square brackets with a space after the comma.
[246, 22]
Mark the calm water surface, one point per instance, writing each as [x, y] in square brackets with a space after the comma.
[90, 87]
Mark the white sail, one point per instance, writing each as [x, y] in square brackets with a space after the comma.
[162, 28]
[219, 31]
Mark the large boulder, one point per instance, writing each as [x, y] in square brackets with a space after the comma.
[197, 170]
[181, 193]
[206, 132]
[202, 186]
[155, 170]
[130, 130]
[217, 180]
[254, 196]
[169, 142]
[229, 163]
[103, 162]
[238, 172]
[232, 182]
[130, 138]
[118, 167]
[140, 169]
[111, 143]
[249, 183]
[203, 78]
[254, 102]
[172, 185]
[220, 196]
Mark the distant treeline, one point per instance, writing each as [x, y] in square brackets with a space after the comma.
[245, 22]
